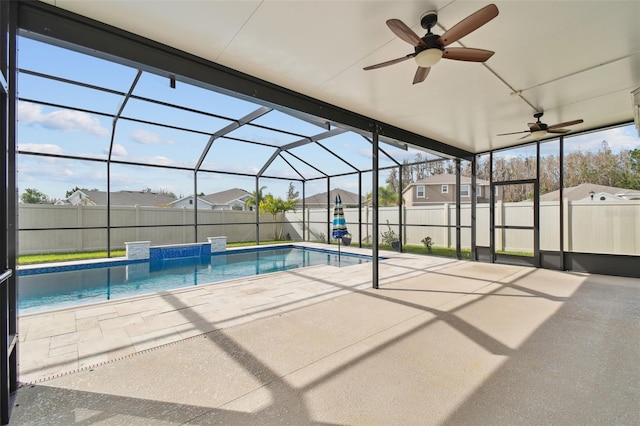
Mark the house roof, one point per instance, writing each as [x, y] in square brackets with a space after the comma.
[227, 196]
[130, 198]
[580, 192]
[347, 197]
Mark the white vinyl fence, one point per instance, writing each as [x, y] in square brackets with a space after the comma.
[161, 226]
[601, 227]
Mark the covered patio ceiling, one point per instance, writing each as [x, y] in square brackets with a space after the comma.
[570, 59]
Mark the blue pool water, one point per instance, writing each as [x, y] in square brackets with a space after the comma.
[52, 288]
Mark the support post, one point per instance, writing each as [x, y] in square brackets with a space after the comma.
[374, 202]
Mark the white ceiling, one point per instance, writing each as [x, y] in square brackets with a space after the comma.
[571, 59]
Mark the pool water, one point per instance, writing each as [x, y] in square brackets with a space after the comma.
[53, 290]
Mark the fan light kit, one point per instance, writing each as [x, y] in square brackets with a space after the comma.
[539, 129]
[428, 58]
[428, 50]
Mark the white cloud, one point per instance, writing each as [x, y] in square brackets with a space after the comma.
[118, 150]
[41, 148]
[63, 119]
[146, 137]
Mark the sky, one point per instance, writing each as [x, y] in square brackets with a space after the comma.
[51, 128]
[55, 128]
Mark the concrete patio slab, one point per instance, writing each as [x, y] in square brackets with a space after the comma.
[441, 342]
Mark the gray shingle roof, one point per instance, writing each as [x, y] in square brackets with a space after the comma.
[130, 198]
[348, 198]
[580, 192]
[227, 196]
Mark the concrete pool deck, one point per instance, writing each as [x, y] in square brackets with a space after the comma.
[441, 342]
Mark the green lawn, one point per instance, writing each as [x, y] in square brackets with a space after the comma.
[30, 259]
[421, 249]
[437, 251]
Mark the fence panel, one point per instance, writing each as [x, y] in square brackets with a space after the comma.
[602, 227]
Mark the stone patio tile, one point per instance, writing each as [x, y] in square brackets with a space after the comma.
[87, 323]
[137, 307]
[121, 322]
[55, 366]
[95, 311]
[112, 339]
[37, 349]
[53, 325]
[75, 337]
[63, 350]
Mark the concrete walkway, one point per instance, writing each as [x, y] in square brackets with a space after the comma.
[441, 342]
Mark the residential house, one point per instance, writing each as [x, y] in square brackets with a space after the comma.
[230, 199]
[118, 198]
[439, 189]
[591, 191]
[349, 199]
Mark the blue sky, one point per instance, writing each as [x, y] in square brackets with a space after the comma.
[63, 131]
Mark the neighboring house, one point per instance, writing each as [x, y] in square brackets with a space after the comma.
[118, 198]
[231, 199]
[585, 191]
[349, 199]
[439, 189]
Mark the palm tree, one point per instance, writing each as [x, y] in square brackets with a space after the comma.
[255, 198]
[386, 196]
[273, 205]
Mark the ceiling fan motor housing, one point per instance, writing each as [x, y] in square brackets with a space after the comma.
[429, 20]
[431, 42]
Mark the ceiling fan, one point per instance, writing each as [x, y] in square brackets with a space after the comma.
[539, 129]
[432, 47]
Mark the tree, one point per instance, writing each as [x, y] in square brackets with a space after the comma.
[167, 193]
[255, 198]
[386, 196]
[33, 196]
[292, 194]
[631, 160]
[392, 179]
[273, 205]
[70, 192]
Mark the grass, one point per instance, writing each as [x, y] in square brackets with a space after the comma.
[421, 249]
[437, 251]
[515, 253]
[30, 259]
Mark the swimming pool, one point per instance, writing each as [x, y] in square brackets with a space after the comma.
[49, 288]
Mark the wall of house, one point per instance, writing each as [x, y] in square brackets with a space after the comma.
[433, 194]
[185, 204]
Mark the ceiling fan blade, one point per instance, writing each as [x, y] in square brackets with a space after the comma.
[467, 54]
[469, 24]
[558, 130]
[391, 62]
[405, 33]
[566, 123]
[421, 74]
[513, 133]
[525, 136]
[534, 126]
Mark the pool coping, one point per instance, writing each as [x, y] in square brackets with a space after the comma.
[45, 268]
